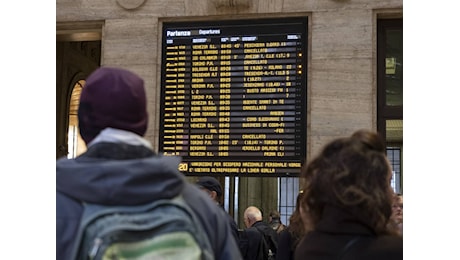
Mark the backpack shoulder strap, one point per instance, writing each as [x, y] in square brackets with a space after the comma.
[84, 220]
[272, 243]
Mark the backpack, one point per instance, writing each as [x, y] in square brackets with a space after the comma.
[163, 229]
[269, 245]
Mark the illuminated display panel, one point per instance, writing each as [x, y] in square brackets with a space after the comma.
[234, 96]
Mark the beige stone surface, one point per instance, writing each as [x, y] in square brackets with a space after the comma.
[341, 75]
[341, 55]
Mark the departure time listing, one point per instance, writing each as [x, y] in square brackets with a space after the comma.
[234, 104]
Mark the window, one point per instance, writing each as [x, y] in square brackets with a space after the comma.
[287, 195]
[390, 92]
[394, 156]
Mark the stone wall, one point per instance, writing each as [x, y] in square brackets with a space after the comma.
[342, 49]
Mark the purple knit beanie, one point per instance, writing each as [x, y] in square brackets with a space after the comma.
[112, 97]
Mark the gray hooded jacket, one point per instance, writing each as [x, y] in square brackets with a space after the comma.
[117, 173]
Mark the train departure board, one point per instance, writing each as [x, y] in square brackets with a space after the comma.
[234, 96]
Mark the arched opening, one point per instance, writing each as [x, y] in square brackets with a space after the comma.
[78, 53]
[76, 145]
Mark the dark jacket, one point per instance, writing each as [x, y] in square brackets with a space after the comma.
[250, 244]
[285, 245]
[123, 174]
[340, 235]
[233, 226]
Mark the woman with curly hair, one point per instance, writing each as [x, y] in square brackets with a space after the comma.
[347, 202]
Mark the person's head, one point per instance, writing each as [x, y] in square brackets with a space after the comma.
[352, 173]
[112, 97]
[274, 216]
[397, 207]
[251, 215]
[212, 187]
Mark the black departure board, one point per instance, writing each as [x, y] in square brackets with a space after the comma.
[234, 96]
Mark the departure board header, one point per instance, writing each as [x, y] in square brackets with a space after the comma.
[233, 96]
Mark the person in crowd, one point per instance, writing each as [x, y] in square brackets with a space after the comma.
[120, 167]
[274, 220]
[255, 228]
[212, 187]
[347, 202]
[397, 213]
[289, 238]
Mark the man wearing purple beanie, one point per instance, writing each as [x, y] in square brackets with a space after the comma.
[120, 167]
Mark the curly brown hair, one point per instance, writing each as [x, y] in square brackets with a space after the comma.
[354, 174]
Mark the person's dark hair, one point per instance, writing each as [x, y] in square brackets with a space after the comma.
[211, 184]
[354, 174]
[274, 214]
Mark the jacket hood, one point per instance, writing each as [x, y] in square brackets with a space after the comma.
[119, 182]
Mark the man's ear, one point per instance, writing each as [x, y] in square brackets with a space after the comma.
[213, 195]
[250, 222]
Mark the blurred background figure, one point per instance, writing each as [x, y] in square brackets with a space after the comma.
[292, 234]
[397, 213]
[274, 220]
[212, 187]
